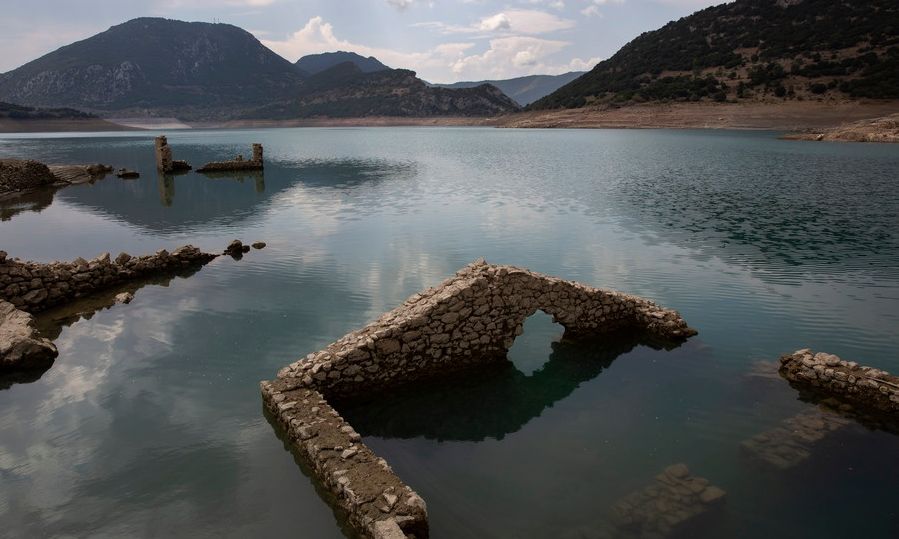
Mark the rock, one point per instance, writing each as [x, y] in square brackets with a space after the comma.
[259, 245]
[711, 494]
[20, 345]
[126, 174]
[387, 529]
[678, 471]
[234, 248]
[21, 175]
[124, 297]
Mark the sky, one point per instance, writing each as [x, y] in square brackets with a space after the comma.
[442, 40]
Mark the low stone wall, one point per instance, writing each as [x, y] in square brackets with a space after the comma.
[33, 287]
[867, 387]
[237, 164]
[378, 503]
[469, 320]
[20, 345]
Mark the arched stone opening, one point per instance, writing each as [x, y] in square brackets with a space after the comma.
[532, 347]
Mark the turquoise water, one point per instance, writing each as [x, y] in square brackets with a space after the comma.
[150, 421]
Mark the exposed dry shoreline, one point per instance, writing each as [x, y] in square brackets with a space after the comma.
[807, 116]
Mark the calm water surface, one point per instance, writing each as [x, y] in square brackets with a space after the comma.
[150, 422]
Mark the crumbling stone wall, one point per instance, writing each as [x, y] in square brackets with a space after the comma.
[33, 287]
[867, 387]
[236, 164]
[165, 163]
[21, 175]
[470, 319]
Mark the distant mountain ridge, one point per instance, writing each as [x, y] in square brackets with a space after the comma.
[210, 72]
[524, 90]
[316, 63]
[752, 50]
[344, 91]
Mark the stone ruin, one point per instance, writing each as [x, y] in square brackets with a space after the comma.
[869, 388]
[236, 164]
[470, 320]
[662, 508]
[164, 161]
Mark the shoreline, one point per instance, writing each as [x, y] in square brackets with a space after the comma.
[793, 116]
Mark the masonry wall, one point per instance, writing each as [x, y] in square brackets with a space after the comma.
[867, 387]
[469, 319]
[33, 287]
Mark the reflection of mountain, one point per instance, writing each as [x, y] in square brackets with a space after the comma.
[491, 402]
[173, 203]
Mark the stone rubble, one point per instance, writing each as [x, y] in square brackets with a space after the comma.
[470, 319]
[18, 177]
[866, 387]
[675, 498]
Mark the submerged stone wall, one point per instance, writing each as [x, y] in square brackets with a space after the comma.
[867, 387]
[33, 286]
[470, 319]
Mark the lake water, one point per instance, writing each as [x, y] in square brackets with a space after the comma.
[150, 422]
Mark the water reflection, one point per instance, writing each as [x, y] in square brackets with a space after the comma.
[35, 201]
[487, 402]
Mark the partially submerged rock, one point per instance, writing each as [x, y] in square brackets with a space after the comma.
[236, 249]
[259, 245]
[126, 174]
[20, 345]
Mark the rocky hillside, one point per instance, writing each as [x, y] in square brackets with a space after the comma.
[155, 64]
[345, 91]
[524, 90]
[316, 63]
[758, 50]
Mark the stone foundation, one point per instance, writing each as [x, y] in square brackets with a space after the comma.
[673, 500]
[467, 321]
[33, 287]
[236, 164]
[791, 443]
[866, 387]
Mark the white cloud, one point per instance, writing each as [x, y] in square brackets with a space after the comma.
[504, 56]
[401, 4]
[517, 21]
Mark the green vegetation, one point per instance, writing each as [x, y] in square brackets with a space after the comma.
[20, 112]
[748, 49]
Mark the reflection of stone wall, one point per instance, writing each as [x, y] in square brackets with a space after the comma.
[471, 319]
[867, 387]
[33, 287]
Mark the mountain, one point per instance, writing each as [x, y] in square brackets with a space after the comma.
[212, 72]
[19, 112]
[524, 90]
[756, 50]
[345, 91]
[316, 63]
[158, 64]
